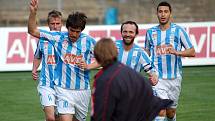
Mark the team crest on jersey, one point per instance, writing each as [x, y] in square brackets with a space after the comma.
[84, 48]
[154, 36]
[133, 61]
[134, 57]
[65, 44]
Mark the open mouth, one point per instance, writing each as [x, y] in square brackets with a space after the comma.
[163, 19]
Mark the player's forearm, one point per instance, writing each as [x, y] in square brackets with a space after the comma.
[187, 53]
[93, 65]
[32, 24]
[36, 64]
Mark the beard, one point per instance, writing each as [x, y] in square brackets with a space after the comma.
[128, 43]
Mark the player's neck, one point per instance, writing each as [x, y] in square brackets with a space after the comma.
[127, 47]
[164, 27]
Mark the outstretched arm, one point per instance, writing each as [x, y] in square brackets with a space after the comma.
[90, 66]
[32, 24]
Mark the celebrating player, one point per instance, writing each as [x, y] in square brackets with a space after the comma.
[72, 47]
[131, 54]
[164, 44]
[46, 81]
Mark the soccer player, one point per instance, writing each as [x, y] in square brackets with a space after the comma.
[131, 54]
[164, 44]
[44, 51]
[72, 47]
[120, 93]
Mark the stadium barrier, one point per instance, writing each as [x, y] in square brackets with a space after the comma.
[17, 46]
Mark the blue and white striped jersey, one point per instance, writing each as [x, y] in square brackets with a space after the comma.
[157, 41]
[136, 58]
[45, 51]
[70, 76]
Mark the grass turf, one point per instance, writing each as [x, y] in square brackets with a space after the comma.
[19, 100]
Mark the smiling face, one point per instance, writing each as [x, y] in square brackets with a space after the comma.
[128, 33]
[163, 14]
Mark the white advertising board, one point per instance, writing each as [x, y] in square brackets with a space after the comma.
[17, 46]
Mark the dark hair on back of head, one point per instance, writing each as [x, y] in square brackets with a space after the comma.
[76, 20]
[132, 23]
[54, 14]
[164, 3]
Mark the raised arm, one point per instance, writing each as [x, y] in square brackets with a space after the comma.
[32, 24]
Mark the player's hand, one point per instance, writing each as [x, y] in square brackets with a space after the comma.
[171, 50]
[34, 75]
[82, 64]
[33, 5]
[153, 79]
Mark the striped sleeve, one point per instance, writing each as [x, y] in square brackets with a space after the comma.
[50, 36]
[147, 41]
[146, 63]
[93, 43]
[38, 54]
[185, 40]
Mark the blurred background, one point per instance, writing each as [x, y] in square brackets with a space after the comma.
[100, 12]
[19, 100]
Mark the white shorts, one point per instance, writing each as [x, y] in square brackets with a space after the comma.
[73, 102]
[168, 89]
[47, 96]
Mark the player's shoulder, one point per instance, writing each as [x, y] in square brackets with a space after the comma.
[174, 25]
[88, 37]
[51, 32]
[118, 41]
[154, 28]
[137, 48]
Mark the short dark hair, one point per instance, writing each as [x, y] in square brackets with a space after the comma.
[54, 14]
[105, 52]
[130, 22]
[76, 20]
[164, 3]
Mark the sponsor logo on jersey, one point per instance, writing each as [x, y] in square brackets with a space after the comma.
[72, 59]
[163, 49]
[51, 60]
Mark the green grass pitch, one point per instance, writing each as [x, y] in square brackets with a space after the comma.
[19, 100]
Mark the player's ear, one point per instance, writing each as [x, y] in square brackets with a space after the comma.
[171, 17]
